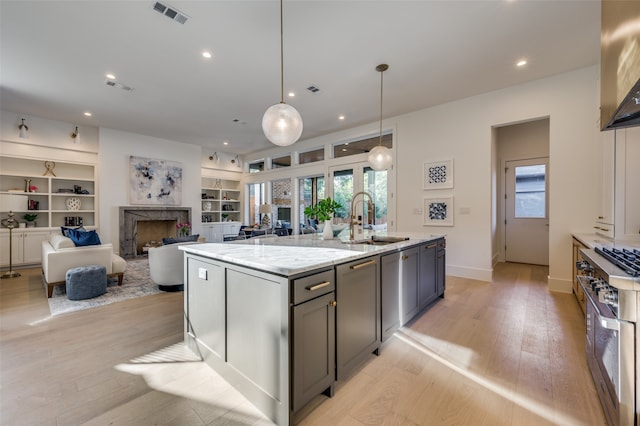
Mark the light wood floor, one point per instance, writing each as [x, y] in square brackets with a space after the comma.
[502, 353]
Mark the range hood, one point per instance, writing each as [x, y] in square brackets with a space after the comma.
[620, 64]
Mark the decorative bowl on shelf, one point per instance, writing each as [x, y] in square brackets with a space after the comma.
[73, 203]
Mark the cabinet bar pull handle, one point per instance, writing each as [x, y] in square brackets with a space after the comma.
[362, 265]
[405, 257]
[318, 286]
[430, 246]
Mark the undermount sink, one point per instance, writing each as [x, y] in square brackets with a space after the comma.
[378, 240]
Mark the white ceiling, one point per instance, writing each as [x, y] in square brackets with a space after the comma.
[55, 54]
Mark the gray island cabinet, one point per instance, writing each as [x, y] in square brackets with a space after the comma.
[282, 319]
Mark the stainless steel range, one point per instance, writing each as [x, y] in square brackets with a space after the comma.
[611, 281]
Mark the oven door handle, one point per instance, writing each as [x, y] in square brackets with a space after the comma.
[609, 323]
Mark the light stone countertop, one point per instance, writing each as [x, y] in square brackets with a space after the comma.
[296, 254]
[595, 240]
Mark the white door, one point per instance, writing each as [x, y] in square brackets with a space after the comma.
[346, 180]
[526, 211]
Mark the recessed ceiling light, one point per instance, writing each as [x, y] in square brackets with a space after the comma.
[110, 76]
[521, 63]
[206, 54]
[225, 143]
[341, 117]
[88, 114]
[291, 94]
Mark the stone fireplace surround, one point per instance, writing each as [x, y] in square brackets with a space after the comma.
[129, 217]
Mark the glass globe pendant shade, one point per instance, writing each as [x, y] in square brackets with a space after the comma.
[282, 124]
[380, 158]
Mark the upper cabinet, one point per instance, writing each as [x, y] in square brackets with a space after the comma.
[605, 215]
[627, 191]
[59, 193]
[618, 197]
[221, 200]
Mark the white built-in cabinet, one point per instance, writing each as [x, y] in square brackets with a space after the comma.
[618, 197]
[627, 191]
[221, 208]
[605, 190]
[53, 200]
[26, 246]
[220, 200]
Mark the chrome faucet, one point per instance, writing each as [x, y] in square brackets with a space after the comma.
[371, 212]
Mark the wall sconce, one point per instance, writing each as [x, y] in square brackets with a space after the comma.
[75, 136]
[236, 161]
[214, 157]
[24, 130]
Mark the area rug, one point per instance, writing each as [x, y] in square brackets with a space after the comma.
[136, 283]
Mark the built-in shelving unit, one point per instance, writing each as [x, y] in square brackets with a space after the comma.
[66, 195]
[221, 200]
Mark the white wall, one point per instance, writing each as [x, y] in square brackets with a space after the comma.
[462, 130]
[115, 148]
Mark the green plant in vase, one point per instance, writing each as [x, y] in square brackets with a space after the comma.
[31, 219]
[323, 210]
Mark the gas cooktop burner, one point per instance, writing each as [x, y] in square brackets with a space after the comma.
[625, 259]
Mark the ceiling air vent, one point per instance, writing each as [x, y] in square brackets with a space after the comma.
[170, 12]
[117, 85]
[313, 89]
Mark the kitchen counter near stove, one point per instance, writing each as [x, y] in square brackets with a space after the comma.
[594, 240]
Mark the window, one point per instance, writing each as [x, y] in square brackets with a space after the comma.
[279, 162]
[530, 191]
[312, 189]
[256, 198]
[351, 179]
[256, 166]
[312, 156]
[362, 146]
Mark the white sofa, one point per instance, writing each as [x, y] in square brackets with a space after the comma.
[166, 266]
[59, 254]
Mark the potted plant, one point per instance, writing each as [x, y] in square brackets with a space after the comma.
[30, 218]
[323, 211]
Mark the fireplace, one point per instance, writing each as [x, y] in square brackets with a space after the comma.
[137, 226]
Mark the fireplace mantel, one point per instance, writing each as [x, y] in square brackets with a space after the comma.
[130, 215]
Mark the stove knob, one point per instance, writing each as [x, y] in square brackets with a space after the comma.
[608, 297]
[583, 266]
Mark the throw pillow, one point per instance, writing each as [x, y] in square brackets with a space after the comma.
[84, 238]
[60, 242]
[65, 230]
[171, 240]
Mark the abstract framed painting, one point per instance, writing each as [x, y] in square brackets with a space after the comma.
[154, 181]
[437, 175]
[438, 211]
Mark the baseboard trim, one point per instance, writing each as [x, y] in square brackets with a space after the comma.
[560, 285]
[470, 273]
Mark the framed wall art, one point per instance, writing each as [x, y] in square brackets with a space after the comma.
[437, 175]
[438, 211]
[155, 181]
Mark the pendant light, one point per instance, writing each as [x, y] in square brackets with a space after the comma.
[282, 123]
[380, 156]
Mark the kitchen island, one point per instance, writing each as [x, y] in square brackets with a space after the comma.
[283, 318]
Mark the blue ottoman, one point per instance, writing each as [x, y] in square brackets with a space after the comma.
[85, 282]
